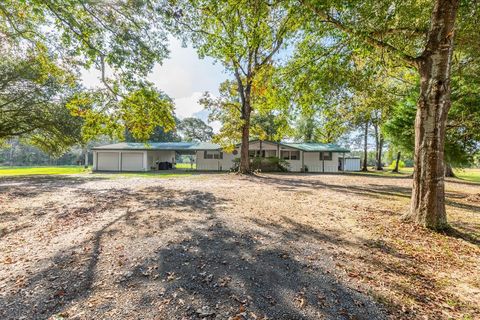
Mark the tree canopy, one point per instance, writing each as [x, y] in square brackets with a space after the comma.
[244, 36]
[120, 39]
[194, 129]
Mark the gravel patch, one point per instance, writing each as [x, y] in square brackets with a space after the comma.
[217, 246]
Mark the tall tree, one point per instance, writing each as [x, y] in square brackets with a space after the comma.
[365, 147]
[159, 134]
[462, 139]
[266, 123]
[245, 36]
[33, 96]
[194, 129]
[122, 40]
[422, 38]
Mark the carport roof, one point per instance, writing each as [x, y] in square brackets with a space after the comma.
[176, 146]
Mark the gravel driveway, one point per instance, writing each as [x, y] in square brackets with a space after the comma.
[216, 246]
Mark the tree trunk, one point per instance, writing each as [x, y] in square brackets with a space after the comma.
[244, 157]
[365, 148]
[12, 150]
[428, 193]
[379, 150]
[397, 162]
[449, 171]
[85, 161]
[244, 154]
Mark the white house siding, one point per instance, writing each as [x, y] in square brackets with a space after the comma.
[160, 156]
[255, 145]
[294, 165]
[314, 164]
[224, 164]
[352, 164]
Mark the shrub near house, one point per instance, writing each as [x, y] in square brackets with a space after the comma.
[270, 164]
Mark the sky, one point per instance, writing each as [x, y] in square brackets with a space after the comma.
[184, 77]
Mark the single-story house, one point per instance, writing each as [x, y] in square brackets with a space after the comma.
[301, 157]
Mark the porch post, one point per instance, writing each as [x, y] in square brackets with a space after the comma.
[343, 163]
[120, 161]
[260, 154]
[303, 162]
[145, 160]
[323, 162]
[94, 166]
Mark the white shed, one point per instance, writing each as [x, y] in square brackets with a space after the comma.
[352, 164]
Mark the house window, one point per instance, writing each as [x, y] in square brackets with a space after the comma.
[213, 155]
[270, 153]
[294, 155]
[256, 153]
[325, 156]
[290, 155]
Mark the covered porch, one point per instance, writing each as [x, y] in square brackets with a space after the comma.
[302, 157]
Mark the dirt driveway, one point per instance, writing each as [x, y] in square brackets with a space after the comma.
[220, 246]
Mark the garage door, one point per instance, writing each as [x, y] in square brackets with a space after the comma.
[107, 161]
[132, 161]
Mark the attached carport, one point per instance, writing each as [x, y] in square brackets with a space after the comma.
[129, 156]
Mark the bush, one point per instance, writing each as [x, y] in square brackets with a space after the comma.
[270, 164]
[401, 164]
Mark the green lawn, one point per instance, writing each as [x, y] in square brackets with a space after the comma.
[22, 171]
[472, 175]
[185, 166]
[55, 170]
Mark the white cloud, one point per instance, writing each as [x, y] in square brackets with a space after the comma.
[184, 73]
[184, 77]
[187, 106]
[203, 114]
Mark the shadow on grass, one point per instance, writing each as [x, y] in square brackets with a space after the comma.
[289, 183]
[468, 236]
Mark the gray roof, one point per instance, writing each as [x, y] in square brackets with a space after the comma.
[179, 146]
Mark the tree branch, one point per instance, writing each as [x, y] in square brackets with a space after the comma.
[366, 37]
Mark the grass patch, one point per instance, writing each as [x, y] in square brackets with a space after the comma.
[185, 166]
[472, 175]
[47, 170]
